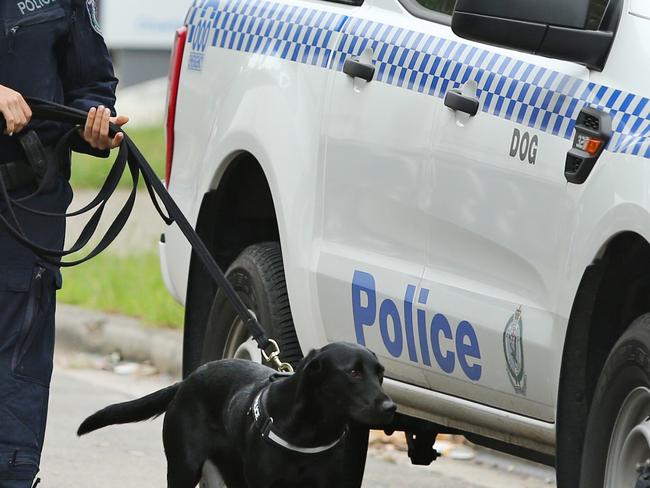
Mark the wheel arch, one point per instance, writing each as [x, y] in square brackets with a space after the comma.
[238, 210]
[285, 170]
[613, 291]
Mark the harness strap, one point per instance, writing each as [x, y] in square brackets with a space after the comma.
[128, 155]
[264, 423]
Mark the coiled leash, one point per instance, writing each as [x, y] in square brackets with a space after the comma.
[128, 156]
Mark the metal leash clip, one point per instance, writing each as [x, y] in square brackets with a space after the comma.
[274, 358]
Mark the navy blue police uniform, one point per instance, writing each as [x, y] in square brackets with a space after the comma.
[50, 49]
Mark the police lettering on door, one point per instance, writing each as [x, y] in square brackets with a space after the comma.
[449, 346]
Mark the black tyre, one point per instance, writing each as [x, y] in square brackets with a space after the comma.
[616, 450]
[258, 277]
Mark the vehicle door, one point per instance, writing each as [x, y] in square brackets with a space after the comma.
[498, 222]
[377, 136]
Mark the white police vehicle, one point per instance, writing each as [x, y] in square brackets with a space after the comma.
[465, 191]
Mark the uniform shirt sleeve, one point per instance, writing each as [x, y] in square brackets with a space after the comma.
[87, 70]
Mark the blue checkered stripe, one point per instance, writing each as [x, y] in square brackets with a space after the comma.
[509, 88]
[531, 95]
[297, 34]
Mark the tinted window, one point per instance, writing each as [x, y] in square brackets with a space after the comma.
[596, 12]
[595, 15]
[443, 6]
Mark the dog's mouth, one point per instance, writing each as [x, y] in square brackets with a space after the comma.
[379, 419]
[386, 418]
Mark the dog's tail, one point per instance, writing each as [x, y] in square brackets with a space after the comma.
[144, 408]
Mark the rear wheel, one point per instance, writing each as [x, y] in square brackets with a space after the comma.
[616, 452]
[258, 278]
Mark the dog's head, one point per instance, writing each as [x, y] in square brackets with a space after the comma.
[349, 378]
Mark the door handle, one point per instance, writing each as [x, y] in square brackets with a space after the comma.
[455, 100]
[356, 69]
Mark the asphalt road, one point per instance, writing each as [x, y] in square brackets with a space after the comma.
[131, 456]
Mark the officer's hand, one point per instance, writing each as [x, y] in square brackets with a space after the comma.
[14, 109]
[95, 132]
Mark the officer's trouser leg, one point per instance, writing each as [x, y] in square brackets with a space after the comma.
[26, 349]
[27, 303]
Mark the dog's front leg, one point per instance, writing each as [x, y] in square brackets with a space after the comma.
[211, 476]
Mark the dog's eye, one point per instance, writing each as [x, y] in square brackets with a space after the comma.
[355, 373]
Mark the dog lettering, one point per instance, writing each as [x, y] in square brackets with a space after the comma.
[524, 146]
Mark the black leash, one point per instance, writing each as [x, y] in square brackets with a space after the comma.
[128, 155]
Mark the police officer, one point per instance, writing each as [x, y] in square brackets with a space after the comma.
[50, 49]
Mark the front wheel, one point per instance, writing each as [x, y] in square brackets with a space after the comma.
[616, 452]
[258, 278]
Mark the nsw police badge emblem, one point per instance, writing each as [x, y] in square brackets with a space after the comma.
[513, 348]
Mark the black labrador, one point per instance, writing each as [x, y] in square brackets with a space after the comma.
[262, 429]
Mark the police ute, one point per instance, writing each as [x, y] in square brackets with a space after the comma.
[461, 186]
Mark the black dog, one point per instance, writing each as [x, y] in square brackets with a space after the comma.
[262, 429]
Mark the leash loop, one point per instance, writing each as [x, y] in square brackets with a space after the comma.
[129, 157]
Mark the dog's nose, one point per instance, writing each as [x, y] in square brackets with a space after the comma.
[388, 406]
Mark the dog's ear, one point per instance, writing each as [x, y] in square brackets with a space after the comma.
[313, 363]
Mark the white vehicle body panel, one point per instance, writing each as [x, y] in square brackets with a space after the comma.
[380, 181]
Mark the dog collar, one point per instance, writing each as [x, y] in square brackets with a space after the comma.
[264, 422]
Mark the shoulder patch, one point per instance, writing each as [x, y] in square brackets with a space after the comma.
[91, 6]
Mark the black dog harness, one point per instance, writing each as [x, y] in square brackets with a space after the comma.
[264, 423]
[129, 156]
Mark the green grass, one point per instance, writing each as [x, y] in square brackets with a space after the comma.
[90, 172]
[129, 285]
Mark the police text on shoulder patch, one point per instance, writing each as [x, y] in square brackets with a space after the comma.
[91, 6]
